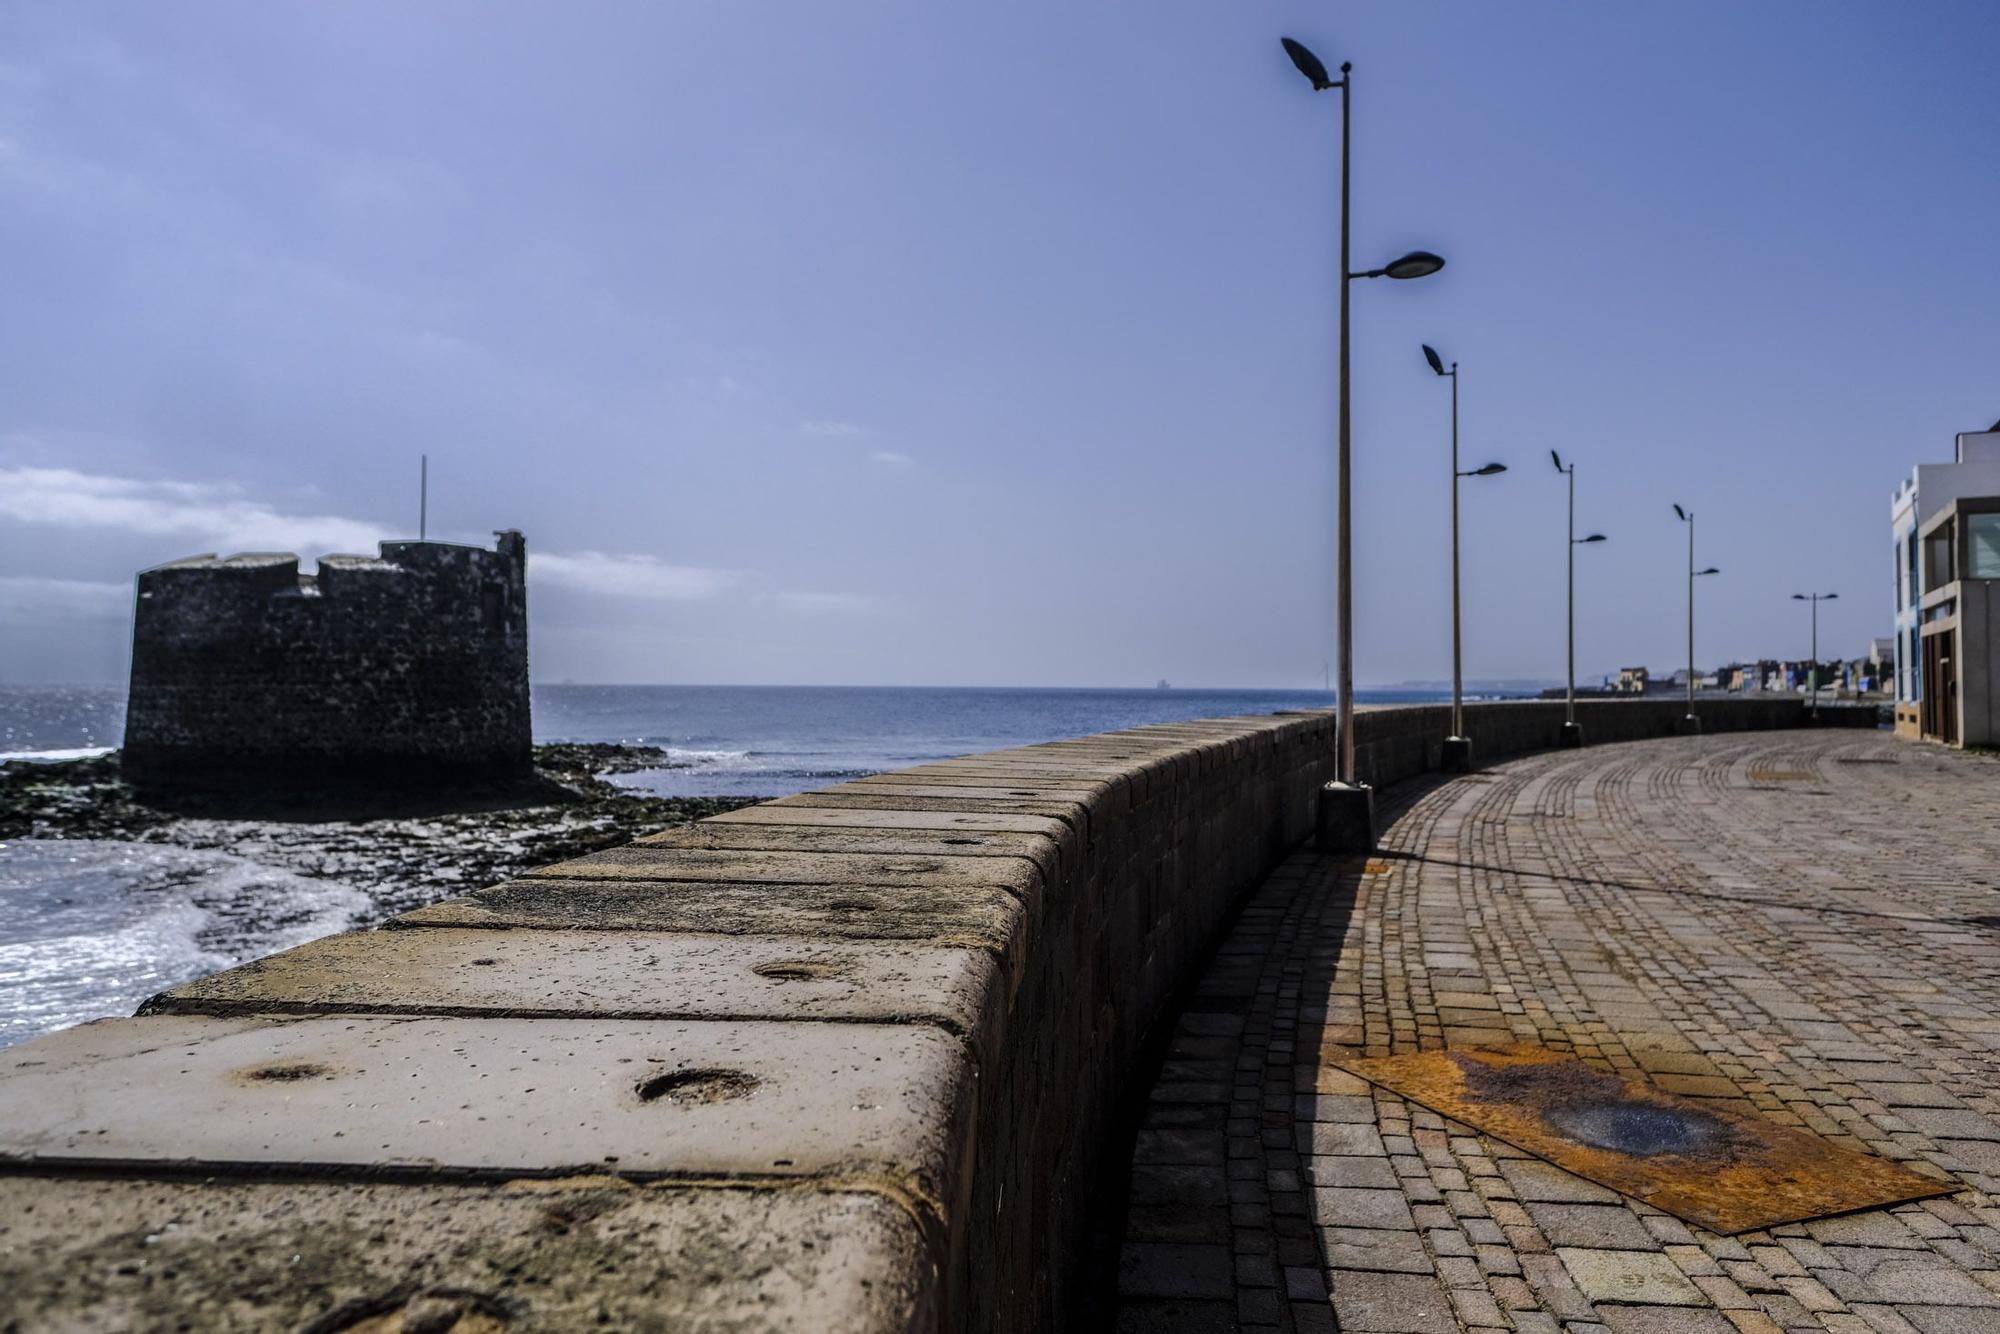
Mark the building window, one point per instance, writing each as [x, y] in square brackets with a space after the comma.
[1982, 546]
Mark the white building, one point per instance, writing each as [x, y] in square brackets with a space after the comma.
[1931, 488]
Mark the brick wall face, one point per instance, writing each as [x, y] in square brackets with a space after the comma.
[410, 665]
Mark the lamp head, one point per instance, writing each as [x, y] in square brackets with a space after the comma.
[1558, 460]
[1594, 537]
[1416, 264]
[1490, 470]
[1308, 64]
[1800, 597]
[1436, 361]
[1830, 596]
[1710, 570]
[1680, 514]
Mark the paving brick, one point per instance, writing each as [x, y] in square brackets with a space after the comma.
[1374, 1248]
[1157, 1269]
[1367, 1303]
[1593, 1225]
[1629, 1276]
[1663, 1320]
[1340, 1207]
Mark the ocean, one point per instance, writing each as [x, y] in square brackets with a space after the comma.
[91, 927]
[764, 741]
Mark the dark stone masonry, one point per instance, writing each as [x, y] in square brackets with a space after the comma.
[411, 665]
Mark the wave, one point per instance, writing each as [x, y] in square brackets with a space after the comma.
[52, 756]
[91, 927]
[678, 758]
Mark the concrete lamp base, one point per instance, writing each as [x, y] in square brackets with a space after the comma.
[1456, 757]
[1571, 737]
[1690, 726]
[1346, 818]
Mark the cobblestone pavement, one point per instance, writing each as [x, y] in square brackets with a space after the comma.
[1802, 924]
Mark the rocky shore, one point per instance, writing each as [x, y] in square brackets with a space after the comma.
[404, 849]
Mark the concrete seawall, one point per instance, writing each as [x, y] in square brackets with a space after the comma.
[842, 1061]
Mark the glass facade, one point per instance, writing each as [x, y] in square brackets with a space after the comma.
[1982, 546]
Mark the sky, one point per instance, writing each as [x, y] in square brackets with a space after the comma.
[919, 343]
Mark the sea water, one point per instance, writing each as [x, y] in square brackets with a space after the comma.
[92, 927]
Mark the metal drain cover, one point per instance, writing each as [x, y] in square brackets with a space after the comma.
[1704, 1164]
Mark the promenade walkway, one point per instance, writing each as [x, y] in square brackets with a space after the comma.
[1803, 924]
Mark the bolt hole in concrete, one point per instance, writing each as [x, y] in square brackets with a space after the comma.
[484, 963]
[693, 1087]
[288, 1072]
[965, 842]
[799, 970]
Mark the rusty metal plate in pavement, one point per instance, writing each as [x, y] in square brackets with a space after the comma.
[1701, 1163]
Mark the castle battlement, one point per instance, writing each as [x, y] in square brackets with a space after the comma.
[408, 662]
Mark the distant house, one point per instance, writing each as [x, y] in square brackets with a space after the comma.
[1930, 488]
[1741, 676]
[1631, 681]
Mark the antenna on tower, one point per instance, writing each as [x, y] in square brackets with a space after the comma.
[423, 497]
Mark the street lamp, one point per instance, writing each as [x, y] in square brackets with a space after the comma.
[1815, 599]
[1691, 724]
[1346, 806]
[1572, 731]
[1456, 757]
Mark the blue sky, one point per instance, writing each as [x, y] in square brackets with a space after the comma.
[928, 343]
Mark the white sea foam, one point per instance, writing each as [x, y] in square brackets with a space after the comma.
[690, 758]
[51, 756]
[91, 927]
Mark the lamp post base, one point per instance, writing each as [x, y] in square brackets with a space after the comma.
[1571, 737]
[1690, 726]
[1456, 756]
[1346, 818]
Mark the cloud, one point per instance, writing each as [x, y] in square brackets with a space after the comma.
[889, 458]
[26, 597]
[218, 517]
[626, 576]
[833, 430]
[208, 514]
[830, 604]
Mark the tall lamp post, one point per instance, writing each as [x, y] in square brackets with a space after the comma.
[1346, 821]
[1691, 724]
[1456, 758]
[1815, 599]
[1572, 731]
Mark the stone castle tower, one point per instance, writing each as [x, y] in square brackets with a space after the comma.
[408, 666]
